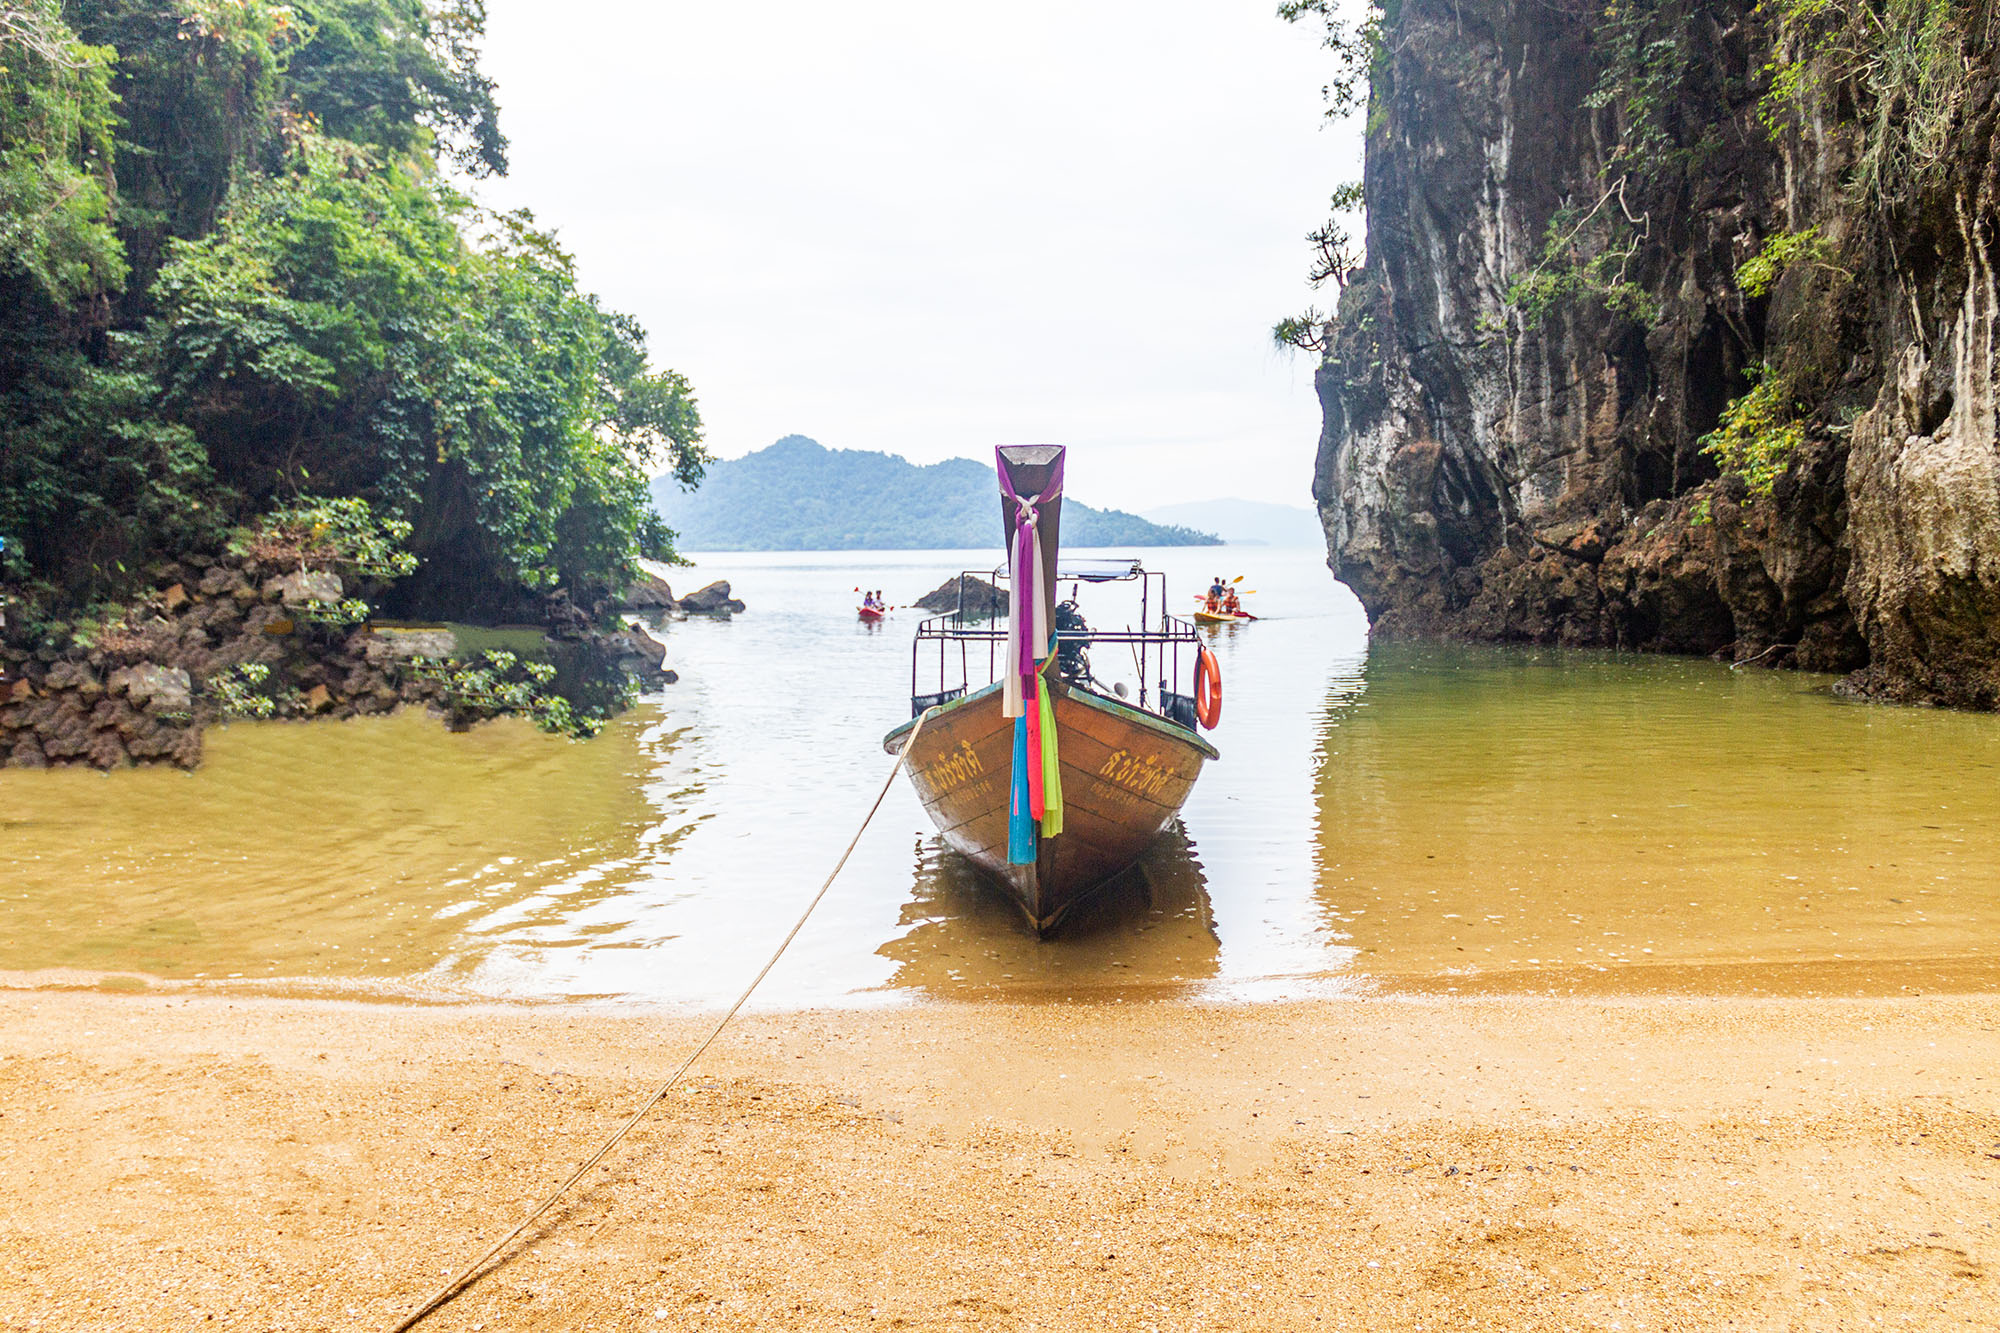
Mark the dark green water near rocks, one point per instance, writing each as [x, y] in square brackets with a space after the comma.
[1416, 817]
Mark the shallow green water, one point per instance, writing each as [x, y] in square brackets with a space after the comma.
[1436, 818]
[1486, 810]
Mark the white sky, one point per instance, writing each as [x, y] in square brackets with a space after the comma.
[929, 229]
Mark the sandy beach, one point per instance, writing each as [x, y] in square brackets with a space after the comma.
[254, 1163]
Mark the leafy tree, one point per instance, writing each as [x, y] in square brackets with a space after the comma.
[1336, 257]
[232, 280]
[196, 83]
[401, 76]
[1759, 432]
[1356, 47]
[1756, 275]
[92, 482]
[55, 157]
[336, 334]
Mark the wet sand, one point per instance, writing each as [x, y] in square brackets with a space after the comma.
[196, 1160]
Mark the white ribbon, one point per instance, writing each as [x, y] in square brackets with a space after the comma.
[1030, 612]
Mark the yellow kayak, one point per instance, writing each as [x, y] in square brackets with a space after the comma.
[1219, 618]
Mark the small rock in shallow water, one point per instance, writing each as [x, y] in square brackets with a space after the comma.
[712, 600]
[982, 599]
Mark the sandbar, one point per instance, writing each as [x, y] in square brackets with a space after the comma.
[217, 1161]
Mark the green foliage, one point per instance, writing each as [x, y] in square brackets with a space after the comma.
[196, 82]
[1335, 256]
[324, 533]
[1307, 332]
[1780, 251]
[1701, 513]
[1666, 108]
[1647, 65]
[400, 75]
[92, 481]
[309, 309]
[1585, 256]
[1357, 49]
[1898, 64]
[1758, 434]
[55, 155]
[499, 682]
[656, 539]
[244, 691]
[334, 615]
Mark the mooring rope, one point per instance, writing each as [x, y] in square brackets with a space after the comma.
[472, 1271]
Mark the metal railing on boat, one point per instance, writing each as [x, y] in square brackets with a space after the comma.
[1152, 649]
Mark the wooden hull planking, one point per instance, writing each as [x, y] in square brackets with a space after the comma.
[1124, 776]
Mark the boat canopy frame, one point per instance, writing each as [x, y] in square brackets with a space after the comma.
[1154, 649]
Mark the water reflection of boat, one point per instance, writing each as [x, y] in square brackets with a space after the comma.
[1151, 926]
[1049, 785]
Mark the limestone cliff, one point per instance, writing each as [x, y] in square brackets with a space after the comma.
[1677, 333]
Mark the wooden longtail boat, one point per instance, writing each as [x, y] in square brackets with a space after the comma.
[1121, 769]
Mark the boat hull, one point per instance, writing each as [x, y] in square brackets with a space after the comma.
[1125, 774]
[1218, 618]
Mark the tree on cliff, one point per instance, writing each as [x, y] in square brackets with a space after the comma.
[250, 283]
[1335, 257]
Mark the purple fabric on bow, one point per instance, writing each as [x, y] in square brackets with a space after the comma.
[1027, 620]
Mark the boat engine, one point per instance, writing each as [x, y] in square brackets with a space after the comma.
[1072, 662]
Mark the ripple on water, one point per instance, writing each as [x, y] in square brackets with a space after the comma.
[1412, 817]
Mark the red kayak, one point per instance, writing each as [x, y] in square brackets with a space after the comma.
[869, 612]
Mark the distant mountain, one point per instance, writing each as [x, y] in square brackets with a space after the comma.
[799, 496]
[1246, 522]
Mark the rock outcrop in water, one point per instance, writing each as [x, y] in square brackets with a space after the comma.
[1678, 333]
[982, 601]
[715, 599]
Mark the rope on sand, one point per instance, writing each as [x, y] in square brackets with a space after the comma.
[474, 1270]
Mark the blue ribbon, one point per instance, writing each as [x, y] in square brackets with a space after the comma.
[1020, 819]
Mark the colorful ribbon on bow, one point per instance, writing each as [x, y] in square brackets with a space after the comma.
[1035, 797]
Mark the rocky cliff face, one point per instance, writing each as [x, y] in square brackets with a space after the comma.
[1598, 240]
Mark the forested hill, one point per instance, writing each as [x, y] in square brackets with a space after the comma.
[797, 495]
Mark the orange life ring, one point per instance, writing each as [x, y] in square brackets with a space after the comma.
[1207, 689]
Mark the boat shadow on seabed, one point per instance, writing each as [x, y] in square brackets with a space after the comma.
[1149, 928]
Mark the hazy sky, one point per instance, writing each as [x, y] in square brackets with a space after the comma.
[929, 229]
